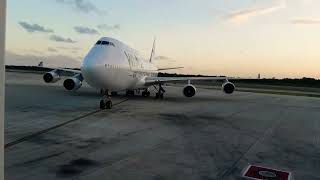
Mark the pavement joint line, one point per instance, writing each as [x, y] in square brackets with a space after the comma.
[267, 132]
[25, 138]
[152, 148]
[126, 158]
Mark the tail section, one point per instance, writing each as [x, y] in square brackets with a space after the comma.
[153, 50]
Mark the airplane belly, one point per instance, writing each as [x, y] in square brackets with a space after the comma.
[117, 80]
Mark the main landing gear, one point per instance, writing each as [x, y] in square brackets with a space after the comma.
[105, 102]
[145, 93]
[160, 93]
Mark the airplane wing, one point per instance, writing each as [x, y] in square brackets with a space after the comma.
[156, 80]
[55, 74]
[61, 70]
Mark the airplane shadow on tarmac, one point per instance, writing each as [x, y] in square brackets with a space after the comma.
[89, 92]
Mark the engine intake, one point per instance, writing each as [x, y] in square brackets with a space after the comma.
[72, 84]
[51, 77]
[228, 87]
[189, 90]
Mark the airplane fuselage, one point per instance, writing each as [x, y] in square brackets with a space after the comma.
[114, 66]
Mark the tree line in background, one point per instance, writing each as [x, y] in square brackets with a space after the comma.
[303, 82]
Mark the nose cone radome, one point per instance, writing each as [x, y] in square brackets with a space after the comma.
[92, 71]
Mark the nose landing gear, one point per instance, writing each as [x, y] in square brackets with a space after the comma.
[105, 102]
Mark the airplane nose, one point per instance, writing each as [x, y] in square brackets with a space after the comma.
[94, 68]
[92, 72]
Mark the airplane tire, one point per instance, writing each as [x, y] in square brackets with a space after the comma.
[102, 104]
[108, 105]
[161, 96]
[144, 94]
[147, 94]
[157, 95]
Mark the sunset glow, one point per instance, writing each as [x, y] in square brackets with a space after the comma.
[236, 38]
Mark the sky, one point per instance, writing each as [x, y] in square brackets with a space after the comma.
[276, 38]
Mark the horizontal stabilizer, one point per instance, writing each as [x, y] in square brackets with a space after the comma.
[163, 69]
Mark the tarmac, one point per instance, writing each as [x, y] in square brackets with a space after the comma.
[51, 133]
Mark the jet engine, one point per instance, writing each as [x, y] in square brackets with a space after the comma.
[228, 87]
[72, 83]
[189, 90]
[51, 77]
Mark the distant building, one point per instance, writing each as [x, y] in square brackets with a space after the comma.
[259, 77]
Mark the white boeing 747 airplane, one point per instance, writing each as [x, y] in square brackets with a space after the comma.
[112, 66]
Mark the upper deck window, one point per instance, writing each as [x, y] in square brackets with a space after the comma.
[98, 42]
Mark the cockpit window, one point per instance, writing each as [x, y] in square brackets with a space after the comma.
[107, 43]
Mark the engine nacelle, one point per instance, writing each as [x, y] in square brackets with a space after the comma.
[189, 90]
[51, 77]
[228, 87]
[72, 84]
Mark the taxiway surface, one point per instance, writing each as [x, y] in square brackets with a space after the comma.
[209, 136]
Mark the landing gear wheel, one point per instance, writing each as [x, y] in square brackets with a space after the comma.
[160, 92]
[159, 95]
[102, 104]
[108, 104]
[145, 93]
[105, 104]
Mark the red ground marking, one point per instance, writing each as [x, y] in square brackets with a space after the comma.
[264, 173]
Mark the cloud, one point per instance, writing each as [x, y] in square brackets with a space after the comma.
[50, 49]
[68, 48]
[306, 22]
[61, 39]
[34, 27]
[107, 27]
[12, 58]
[83, 6]
[245, 14]
[85, 30]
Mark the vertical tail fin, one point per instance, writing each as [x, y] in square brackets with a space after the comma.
[153, 50]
